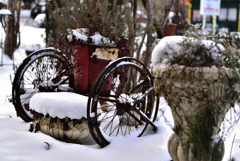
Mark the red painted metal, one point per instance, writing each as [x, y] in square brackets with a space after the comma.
[96, 66]
[81, 64]
[87, 67]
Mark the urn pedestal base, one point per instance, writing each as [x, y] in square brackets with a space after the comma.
[182, 149]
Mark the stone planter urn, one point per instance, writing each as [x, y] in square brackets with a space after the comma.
[199, 97]
[198, 103]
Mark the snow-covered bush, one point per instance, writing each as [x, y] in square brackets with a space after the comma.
[196, 48]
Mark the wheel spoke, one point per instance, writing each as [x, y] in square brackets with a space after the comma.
[105, 117]
[110, 123]
[30, 96]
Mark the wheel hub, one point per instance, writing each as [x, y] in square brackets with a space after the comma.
[48, 86]
[122, 108]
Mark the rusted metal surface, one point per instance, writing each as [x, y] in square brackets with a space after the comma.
[89, 61]
[81, 65]
[106, 53]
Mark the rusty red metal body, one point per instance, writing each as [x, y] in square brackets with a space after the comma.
[89, 61]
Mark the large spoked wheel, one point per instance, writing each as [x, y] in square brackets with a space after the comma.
[121, 101]
[42, 71]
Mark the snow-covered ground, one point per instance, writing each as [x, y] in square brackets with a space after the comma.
[18, 144]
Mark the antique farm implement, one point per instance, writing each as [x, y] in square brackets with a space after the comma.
[122, 86]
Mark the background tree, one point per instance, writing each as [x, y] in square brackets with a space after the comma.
[12, 38]
[65, 17]
[157, 16]
[180, 17]
[161, 9]
[112, 19]
[27, 4]
[51, 28]
[149, 8]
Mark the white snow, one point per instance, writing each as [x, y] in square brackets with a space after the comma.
[5, 12]
[25, 13]
[169, 47]
[126, 98]
[166, 49]
[60, 104]
[18, 144]
[97, 39]
[33, 47]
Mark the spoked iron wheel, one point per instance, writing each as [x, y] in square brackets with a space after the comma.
[121, 101]
[42, 71]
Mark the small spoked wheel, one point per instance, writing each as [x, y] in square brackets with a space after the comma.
[42, 71]
[121, 101]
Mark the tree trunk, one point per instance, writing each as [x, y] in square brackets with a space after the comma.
[149, 6]
[140, 47]
[17, 27]
[160, 25]
[12, 29]
[51, 29]
[176, 18]
[135, 14]
[131, 31]
[9, 38]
